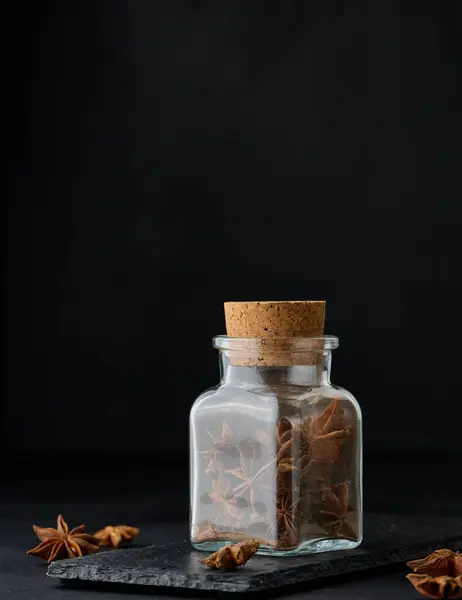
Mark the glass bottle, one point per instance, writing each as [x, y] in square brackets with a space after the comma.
[276, 452]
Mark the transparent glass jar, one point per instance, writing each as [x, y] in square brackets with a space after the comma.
[276, 451]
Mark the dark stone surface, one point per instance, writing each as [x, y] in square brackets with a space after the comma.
[390, 539]
[130, 490]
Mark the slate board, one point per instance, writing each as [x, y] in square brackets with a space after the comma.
[389, 539]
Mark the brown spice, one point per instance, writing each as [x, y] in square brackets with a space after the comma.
[438, 575]
[61, 543]
[440, 562]
[287, 521]
[318, 442]
[229, 504]
[286, 465]
[301, 498]
[219, 445]
[285, 450]
[113, 535]
[313, 472]
[283, 428]
[335, 510]
[231, 557]
[251, 478]
[207, 535]
[324, 435]
[439, 588]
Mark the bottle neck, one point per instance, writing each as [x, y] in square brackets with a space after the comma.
[313, 375]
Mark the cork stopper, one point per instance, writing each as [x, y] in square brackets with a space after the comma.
[270, 324]
[270, 319]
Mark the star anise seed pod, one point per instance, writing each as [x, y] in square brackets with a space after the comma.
[252, 479]
[440, 562]
[219, 445]
[285, 450]
[313, 472]
[438, 588]
[438, 575]
[113, 535]
[208, 534]
[230, 557]
[61, 543]
[335, 510]
[322, 436]
[283, 429]
[287, 519]
[229, 506]
[286, 465]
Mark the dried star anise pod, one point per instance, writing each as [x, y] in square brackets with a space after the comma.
[286, 465]
[439, 588]
[252, 479]
[232, 506]
[286, 525]
[208, 534]
[335, 510]
[457, 564]
[440, 562]
[223, 444]
[322, 436]
[313, 472]
[113, 535]
[61, 543]
[286, 438]
[283, 430]
[230, 557]
[438, 575]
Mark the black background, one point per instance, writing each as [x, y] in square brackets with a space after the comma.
[167, 156]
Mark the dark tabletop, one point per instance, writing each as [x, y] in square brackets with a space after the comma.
[99, 491]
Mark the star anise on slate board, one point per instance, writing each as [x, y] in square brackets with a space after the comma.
[439, 588]
[438, 575]
[230, 557]
[440, 562]
[62, 543]
[113, 535]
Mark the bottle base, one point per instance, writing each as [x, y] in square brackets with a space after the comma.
[308, 547]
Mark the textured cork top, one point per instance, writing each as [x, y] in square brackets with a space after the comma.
[301, 318]
[271, 330]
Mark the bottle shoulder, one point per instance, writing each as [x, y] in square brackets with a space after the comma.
[205, 396]
[345, 395]
[230, 395]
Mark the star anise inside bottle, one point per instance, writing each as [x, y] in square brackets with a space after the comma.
[324, 435]
[253, 479]
[113, 535]
[219, 445]
[335, 510]
[284, 530]
[62, 543]
[229, 508]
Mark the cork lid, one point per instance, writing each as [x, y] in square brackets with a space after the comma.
[271, 330]
[300, 318]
